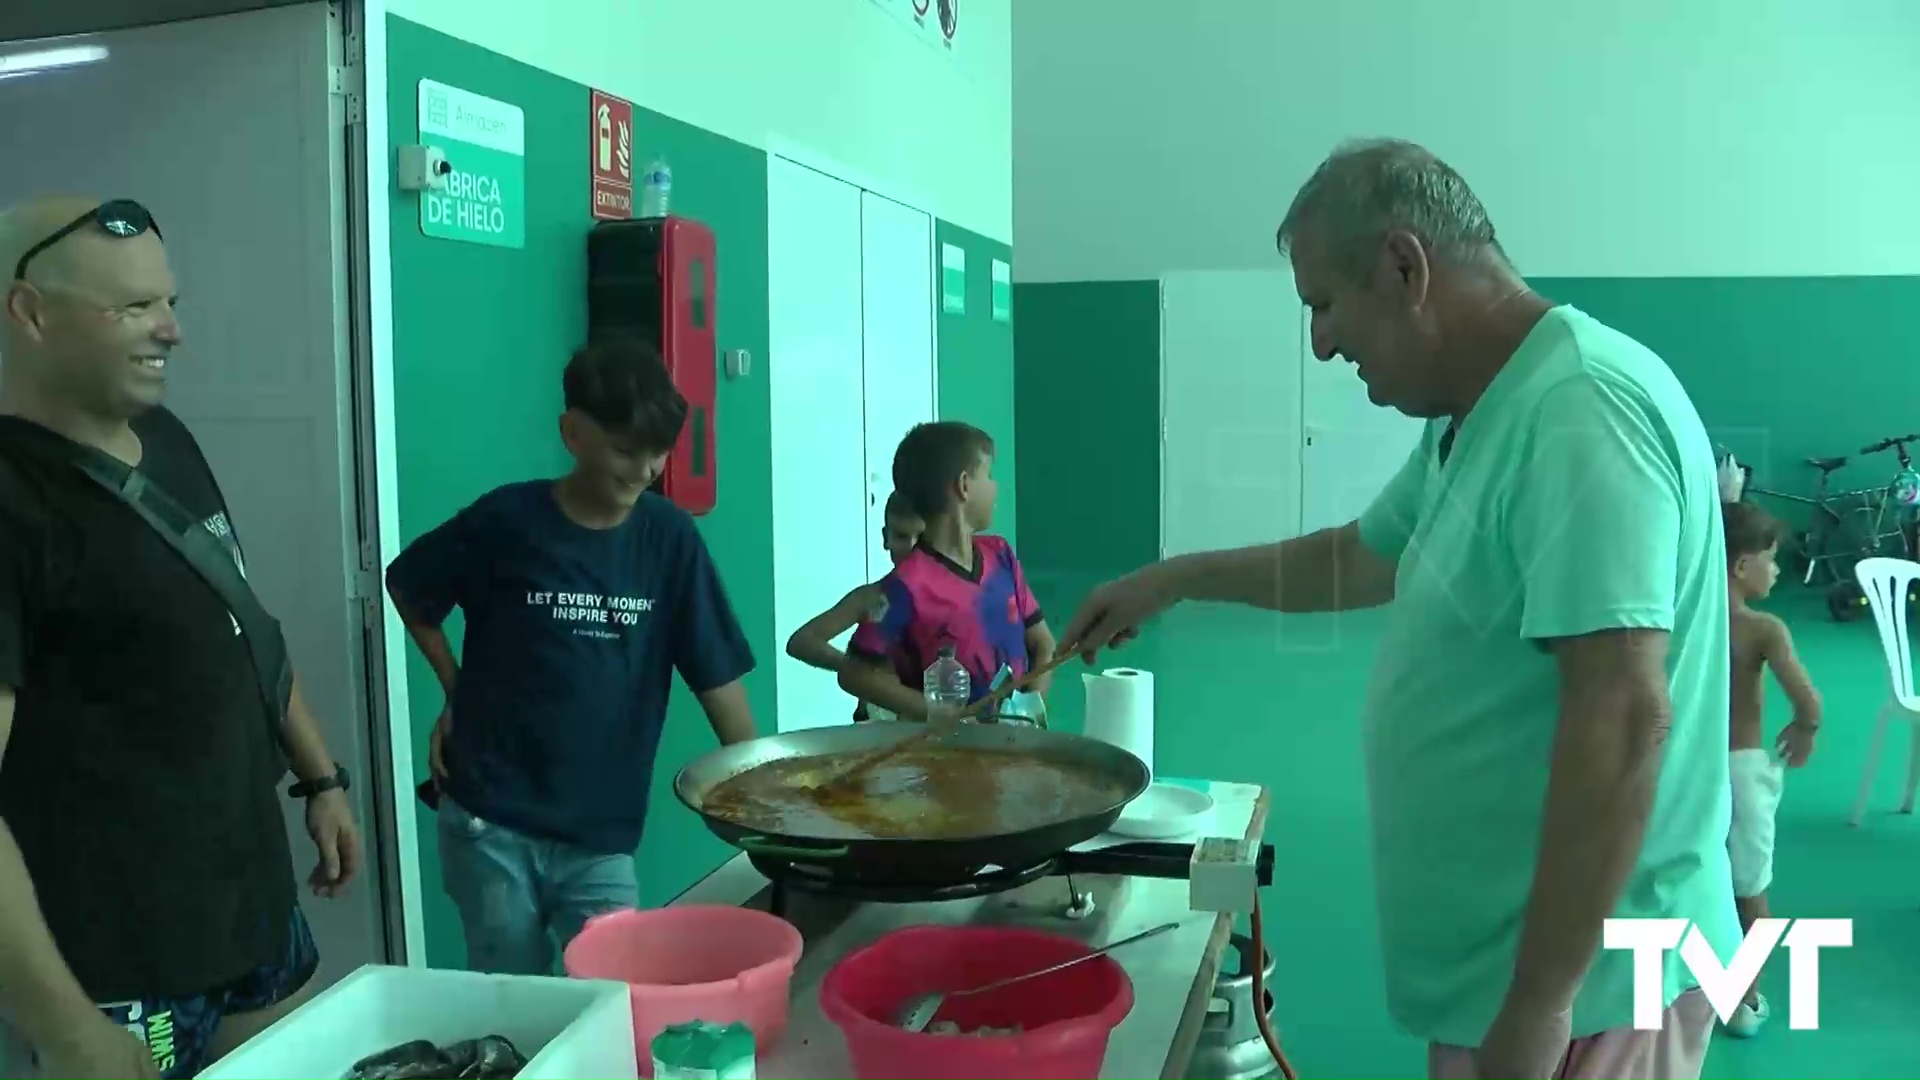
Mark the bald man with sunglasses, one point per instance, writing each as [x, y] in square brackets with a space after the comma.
[148, 917]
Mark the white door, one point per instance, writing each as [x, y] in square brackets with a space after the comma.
[1230, 409]
[817, 421]
[896, 244]
[226, 130]
[1350, 447]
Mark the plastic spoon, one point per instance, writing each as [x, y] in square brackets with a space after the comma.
[920, 1011]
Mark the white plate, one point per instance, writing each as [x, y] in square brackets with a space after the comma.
[1164, 810]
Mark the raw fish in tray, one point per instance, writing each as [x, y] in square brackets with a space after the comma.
[489, 1058]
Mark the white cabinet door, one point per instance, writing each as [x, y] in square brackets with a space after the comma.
[1230, 409]
[1350, 446]
[897, 275]
[817, 420]
[263, 378]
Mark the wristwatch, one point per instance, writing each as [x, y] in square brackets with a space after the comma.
[307, 789]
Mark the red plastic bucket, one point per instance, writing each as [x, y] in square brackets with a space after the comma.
[1065, 1018]
[710, 962]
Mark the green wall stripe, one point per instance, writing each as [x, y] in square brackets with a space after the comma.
[976, 366]
[1781, 369]
[1088, 411]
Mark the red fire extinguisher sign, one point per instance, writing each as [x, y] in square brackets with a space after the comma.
[610, 145]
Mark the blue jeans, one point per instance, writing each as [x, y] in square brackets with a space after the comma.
[517, 895]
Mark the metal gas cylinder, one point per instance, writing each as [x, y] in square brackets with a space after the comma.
[1230, 1046]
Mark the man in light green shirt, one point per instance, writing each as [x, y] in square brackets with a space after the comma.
[1546, 729]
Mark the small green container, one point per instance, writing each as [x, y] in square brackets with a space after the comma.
[703, 1051]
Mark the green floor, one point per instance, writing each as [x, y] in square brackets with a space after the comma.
[1250, 697]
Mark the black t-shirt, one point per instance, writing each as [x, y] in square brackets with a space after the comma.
[140, 776]
[572, 638]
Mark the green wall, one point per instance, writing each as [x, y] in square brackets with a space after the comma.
[1088, 412]
[976, 365]
[480, 337]
[1781, 369]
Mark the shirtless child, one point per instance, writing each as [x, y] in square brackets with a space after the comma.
[1760, 642]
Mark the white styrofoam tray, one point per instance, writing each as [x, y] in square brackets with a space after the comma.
[566, 1027]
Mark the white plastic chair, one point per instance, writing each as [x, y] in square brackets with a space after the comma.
[1887, 582]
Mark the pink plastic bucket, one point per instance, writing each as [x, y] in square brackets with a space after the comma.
[706, 962]
[1067, 1016]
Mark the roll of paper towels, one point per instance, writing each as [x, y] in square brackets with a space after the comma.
[1120, 710]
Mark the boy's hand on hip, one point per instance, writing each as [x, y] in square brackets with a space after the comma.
[436, 745]
[1795, 744]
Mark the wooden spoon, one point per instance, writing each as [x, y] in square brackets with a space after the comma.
[855, 771]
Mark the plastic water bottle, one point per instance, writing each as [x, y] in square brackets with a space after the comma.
[656, 190]
[947, 685]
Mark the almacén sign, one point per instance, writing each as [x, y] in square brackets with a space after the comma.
[485, 199]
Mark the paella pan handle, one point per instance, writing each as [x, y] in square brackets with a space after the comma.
[760, 845]
[1153, 859]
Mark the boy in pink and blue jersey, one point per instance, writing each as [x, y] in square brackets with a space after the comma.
[959, 587]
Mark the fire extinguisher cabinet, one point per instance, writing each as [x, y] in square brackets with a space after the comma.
[654, 277]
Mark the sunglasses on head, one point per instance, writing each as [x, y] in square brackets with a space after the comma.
[122, 218]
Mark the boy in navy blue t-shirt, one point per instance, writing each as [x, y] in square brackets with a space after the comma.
[582, 596]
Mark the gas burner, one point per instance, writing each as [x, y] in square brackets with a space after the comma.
[1154, 860]
[825, 881]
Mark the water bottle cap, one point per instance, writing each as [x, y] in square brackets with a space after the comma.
[947, 652]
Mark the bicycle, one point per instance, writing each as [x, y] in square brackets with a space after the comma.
[1892, 528]
[1898, 511]
[1847, 526]
[1837, 524]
